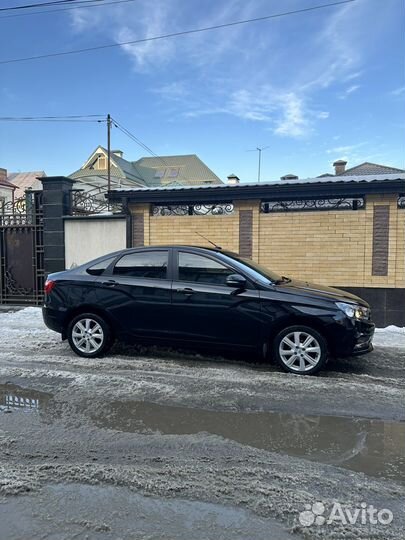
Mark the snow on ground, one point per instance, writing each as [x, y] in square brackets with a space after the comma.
[65, 442]
[373, 384]
[391, 336]
[30, 321]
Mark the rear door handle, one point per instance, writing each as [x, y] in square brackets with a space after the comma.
[109, 283]
[187, 291]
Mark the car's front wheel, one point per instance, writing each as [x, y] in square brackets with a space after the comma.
[300, 349]
[89, 335]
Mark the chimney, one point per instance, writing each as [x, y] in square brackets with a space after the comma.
[289, 177]
[118, 153]
[340, 166]
[3, 174]
[233, 180]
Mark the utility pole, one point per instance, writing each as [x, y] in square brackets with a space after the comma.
[108, 152]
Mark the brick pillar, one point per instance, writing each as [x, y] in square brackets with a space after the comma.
[56, 201]
[248, 212]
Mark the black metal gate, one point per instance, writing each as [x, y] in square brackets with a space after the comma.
[22, 251]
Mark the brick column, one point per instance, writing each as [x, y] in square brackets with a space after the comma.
[249, 213]
[56, 201]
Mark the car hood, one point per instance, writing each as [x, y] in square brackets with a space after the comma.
[311, 289]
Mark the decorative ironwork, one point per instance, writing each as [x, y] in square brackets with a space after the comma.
[193, 210]
[305, 205]
[18, 206]
[16, 220]
[22, 251]
[401, 201]
[11, 286]
[86, 204]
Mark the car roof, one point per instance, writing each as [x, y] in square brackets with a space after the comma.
[185, 246]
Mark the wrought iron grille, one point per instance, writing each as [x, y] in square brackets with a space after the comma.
[193, 210]
[22, 211]
[22, 251]
[401, 201]
[305, 205]
[87, 204]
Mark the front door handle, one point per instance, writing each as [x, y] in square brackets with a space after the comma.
[187, 291]
[109, 283]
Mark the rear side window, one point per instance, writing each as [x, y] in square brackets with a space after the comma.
[98, 269]
[146, 264]
[200, 269]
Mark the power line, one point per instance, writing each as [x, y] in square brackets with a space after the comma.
[45, 4]
[66, 9]
[144, 146]
[135, 139]
[52, 117]
[176, 34]
[71, 118]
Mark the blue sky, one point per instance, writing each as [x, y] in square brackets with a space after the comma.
[314, 87]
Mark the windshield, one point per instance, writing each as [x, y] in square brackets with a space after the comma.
[257, 271]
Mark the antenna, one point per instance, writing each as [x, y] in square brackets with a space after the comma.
[260, 150]
[207, 239]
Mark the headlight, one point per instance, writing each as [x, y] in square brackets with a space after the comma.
[354, 311]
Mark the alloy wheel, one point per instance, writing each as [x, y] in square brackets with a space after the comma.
[300, 351]
[87, 335]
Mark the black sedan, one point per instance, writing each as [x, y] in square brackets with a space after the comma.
[186, 295]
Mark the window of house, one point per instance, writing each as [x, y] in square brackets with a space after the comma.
[159, 173]
[102, 163]
[146, 264]
[200, 269]
[173, 173]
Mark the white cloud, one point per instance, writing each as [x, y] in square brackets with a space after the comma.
[294, 122]
[175, 91]
[286, 113]
[346, 93]
[271, 72]
[352, 153]
[398, 91]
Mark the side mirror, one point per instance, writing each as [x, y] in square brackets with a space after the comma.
[236, 280]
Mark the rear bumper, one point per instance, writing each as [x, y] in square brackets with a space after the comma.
[53, 319]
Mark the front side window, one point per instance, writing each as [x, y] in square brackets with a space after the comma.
[146, 264]
[200, 269]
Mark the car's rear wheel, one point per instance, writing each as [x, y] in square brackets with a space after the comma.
[300, 349]
[89, 335]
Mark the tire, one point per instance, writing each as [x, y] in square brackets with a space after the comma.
[89, 335]
[294, 356]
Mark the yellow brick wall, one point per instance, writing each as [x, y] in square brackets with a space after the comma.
[222, 230]
[327, 247]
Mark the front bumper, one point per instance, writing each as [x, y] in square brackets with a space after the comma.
[362, 348]
[351, 338]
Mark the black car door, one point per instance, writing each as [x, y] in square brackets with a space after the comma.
[205, 309]
[136, 292]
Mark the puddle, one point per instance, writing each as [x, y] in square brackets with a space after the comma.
[374, 447]
[63, 512]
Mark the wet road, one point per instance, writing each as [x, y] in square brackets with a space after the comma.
[165, 443]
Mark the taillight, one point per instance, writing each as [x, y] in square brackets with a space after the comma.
[49, 285]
